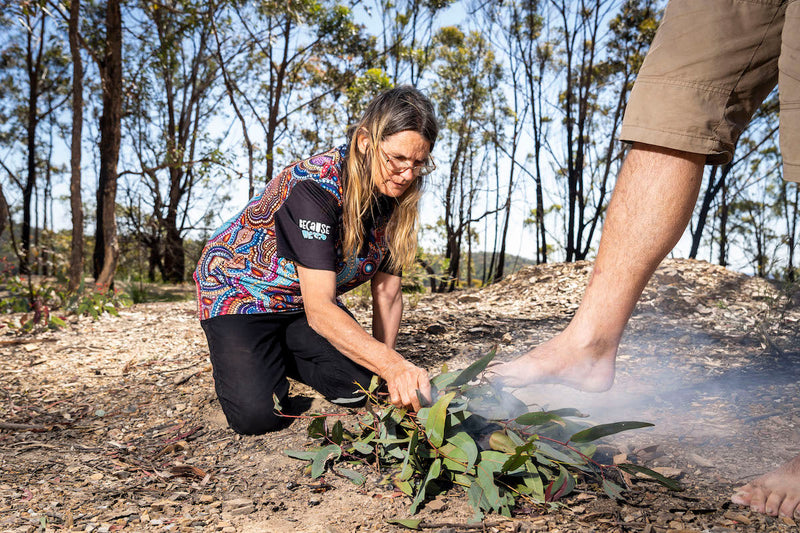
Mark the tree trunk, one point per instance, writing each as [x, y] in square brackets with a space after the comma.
[708, 197]
[4, 214]
[33, 68]
[76, 205]
[174, 257]
[107, 246]
[792, 233]
[276, 95]
[154, 259]
[723, 226]
[431, 273]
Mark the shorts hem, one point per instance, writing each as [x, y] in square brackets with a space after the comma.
[791, 172]
[715, 155]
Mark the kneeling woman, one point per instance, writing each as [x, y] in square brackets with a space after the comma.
[269, 280]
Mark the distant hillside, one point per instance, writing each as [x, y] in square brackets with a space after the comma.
[512, 263]
[480, 262]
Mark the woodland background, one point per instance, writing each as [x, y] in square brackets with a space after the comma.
[129, 130]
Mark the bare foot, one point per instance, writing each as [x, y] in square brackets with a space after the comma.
[587, 366]
[774, 493]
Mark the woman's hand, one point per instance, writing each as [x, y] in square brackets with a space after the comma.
[403, 380]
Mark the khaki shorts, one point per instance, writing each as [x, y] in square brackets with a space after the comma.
[711, 64]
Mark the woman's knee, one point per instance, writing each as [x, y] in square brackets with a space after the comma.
[254, 419]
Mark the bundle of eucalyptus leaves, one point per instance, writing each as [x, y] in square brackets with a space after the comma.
[475, 436]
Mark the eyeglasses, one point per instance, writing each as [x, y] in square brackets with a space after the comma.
[396, 166]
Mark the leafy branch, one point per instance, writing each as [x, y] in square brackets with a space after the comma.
[475, 436]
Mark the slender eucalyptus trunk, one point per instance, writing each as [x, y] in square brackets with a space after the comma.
[107, 246]
[75, 201]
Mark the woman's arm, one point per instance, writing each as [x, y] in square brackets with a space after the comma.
[387, 307]
[403, 379]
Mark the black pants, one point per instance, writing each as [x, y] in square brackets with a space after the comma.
[252, 355]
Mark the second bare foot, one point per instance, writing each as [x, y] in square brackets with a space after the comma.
[775, 493]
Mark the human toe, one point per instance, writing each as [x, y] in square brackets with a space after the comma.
[742, 496]
[773, 503]
[789, 506]
[758, 500]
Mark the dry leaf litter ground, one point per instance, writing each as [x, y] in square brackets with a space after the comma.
[113, 425]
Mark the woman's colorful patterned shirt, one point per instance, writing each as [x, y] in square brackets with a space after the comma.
[249, 264]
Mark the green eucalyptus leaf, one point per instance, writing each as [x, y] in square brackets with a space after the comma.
[321, 457]
[533, 483]
[433, 473]
[397, 452]
[423, 415]
[302, 455]
[374, 383]
[492, 461]
[604, 430]
[536, 418]
[566, 456]
[467, 444]
[499, 441]
[463, 479]
[515, 438]
[612, 489]
[356, 477]
[453, 458]
[521, 456]
[337, 432]
[442, 381]
[362, 447]
[477, 500]
[486, 482]
[472, 371]
[316, 429]
[435, 424]
[412, 448]
[671, 484]
[408, 523]
[568, 411]
[405, 487]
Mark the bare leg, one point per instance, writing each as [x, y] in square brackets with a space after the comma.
[774, 493]
[652, 203]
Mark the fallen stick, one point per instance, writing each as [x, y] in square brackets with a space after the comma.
[24, 427]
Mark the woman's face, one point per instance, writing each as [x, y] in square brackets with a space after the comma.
[402, 156]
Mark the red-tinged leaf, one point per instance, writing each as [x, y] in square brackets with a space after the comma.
[560, 486]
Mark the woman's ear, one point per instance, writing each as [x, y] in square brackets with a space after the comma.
[363, 142]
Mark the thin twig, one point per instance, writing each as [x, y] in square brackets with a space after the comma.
[13, 426]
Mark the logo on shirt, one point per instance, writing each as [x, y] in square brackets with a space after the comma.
[314, 230]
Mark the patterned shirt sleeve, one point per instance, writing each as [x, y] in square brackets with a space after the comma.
[306, 227]
[385, 267]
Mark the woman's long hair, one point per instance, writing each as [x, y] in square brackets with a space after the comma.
[400, 109]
